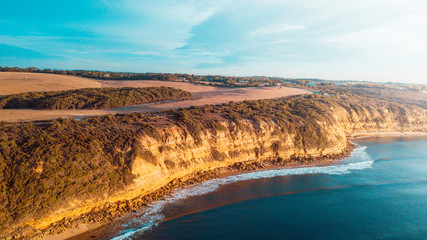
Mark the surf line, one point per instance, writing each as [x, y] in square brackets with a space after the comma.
[152, 215]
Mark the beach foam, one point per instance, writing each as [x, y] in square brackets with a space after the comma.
[152, 215]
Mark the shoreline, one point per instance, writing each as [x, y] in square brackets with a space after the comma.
[97, 232]
[92, 229]
[386, 134]
[89, 225]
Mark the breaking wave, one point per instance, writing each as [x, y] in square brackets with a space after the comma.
[152, 215]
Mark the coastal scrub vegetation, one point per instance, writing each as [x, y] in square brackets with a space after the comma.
[92, 98]
[415, 95]
[45, 165]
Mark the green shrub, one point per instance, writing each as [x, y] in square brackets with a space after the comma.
[92, 98]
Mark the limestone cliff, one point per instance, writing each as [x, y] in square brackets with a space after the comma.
[180, 155]
[175, 145]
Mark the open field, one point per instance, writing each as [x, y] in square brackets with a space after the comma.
[12, 83]
[17, 82]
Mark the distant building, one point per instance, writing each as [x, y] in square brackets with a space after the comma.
[180, 79]
[400, 88]
[265, 84]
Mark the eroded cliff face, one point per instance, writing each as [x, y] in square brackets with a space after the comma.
[388, 118]
[176, 152]
[181, 154]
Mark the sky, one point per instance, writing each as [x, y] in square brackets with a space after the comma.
[369, 40]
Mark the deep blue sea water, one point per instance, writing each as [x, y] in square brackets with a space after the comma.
[379, 192]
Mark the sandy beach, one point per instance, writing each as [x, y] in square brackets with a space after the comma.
[386, 134]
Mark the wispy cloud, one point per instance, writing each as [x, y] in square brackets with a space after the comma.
[275, 29]
[365, 39]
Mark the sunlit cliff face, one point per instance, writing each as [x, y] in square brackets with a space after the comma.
[180, 152]
[176, 150]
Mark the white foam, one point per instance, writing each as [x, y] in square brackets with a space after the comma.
[152, 215]
[125, 234]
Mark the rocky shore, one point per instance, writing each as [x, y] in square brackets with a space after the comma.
[112, 211]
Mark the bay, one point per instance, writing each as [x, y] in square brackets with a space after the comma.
[379, 192]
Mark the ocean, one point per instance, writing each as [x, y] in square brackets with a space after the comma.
[378, 192]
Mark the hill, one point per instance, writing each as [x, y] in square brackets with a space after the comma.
[92, 98]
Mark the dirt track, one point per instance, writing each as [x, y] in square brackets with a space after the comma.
[11, 83]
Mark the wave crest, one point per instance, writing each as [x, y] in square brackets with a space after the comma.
[152, 215]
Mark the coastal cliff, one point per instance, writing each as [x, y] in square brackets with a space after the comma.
[71, 172]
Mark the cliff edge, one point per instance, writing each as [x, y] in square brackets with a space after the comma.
[59, 174]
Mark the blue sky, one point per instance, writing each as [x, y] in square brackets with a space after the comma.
[374, 40]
